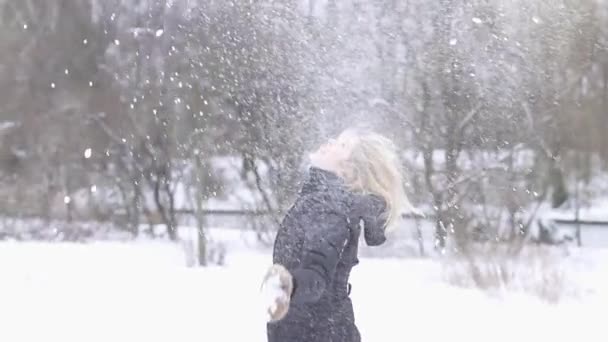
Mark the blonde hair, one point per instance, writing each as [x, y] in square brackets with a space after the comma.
[374, 167]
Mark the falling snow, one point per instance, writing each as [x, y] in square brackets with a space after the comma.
[122, 118]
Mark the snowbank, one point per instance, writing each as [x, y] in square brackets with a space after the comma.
[143, 292]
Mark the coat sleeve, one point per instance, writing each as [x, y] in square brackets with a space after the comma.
[325, 241]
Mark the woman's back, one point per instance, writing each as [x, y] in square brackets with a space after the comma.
[318, 243]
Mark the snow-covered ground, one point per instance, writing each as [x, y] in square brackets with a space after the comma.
[142, 291]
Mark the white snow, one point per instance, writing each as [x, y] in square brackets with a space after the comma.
[4, 125]
[595, 211]
[593, 216]
[143, 292]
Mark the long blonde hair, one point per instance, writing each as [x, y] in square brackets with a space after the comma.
[374, 167]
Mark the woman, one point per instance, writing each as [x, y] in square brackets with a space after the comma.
[355, 183]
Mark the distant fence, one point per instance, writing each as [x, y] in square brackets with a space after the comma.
[226, 212]
[255, 213]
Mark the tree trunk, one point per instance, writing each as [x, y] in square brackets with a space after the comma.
[167, 215]
[440, 231]
[451, 215]
[604, 117]
[556, 178]
[136, 207]
[202, 242]
[419, 237]
[200, 218]
[577, 205]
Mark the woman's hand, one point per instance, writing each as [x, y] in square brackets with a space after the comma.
[276, 291]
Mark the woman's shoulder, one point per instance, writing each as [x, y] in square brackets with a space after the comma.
[336, 201]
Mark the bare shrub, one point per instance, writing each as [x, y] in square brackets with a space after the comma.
[539, 271]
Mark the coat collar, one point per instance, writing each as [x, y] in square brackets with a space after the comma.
[319, 180]
[367, 208]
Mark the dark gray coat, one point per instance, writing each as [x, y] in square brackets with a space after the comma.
[318, 243]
